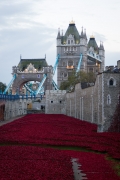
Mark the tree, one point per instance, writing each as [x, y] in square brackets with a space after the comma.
[80, 77]
[2, 87]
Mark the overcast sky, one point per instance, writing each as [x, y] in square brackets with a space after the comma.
[29, 28]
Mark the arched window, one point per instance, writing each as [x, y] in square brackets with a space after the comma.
[111, 82]
[63, 74]
[108, 99]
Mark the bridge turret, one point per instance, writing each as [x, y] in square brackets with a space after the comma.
[102, 56]
[14, 70]
[83, 38]
[83, 49]
[58, 38]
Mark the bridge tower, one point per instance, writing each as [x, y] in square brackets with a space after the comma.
[70, 46]
[32, 70]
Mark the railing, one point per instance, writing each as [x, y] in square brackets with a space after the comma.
[16, 97]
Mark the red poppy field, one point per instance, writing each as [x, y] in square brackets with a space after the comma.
[41, 147]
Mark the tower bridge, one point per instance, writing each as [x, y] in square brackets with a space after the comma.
[74, 51]
[31, 74]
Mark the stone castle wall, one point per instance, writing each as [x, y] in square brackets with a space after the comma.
[95, 104]
[15, 108]
[85, 103]
[55, 102]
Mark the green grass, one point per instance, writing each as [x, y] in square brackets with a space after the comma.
[115, 164]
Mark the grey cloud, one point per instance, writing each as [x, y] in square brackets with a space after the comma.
[31, 43]
[98, 37]
[14, 9]
[111, 58]
[15, 13]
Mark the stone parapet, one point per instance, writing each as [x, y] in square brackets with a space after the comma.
[55, 102]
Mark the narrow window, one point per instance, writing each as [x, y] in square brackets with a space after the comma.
[118, 98]
[111, 82]
[108, 99]
[65, 74]
[68, 41]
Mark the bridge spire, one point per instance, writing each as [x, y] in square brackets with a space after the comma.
[82, 35]
[20, 57]
[85, 34]
[62, 32]
[58, 36]
[101, 45]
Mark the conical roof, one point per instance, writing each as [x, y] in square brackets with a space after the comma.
[101, 46]
[58, 36]
[73, 31]
[92, 43]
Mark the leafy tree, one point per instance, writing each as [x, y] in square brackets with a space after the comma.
[2, 87]
[80, 77]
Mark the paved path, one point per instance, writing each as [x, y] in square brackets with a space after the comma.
[9, 120]
[78, 174]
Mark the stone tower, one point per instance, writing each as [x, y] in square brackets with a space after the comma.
[70, 46]
[102, 56]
